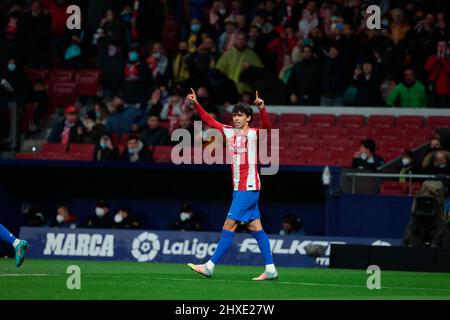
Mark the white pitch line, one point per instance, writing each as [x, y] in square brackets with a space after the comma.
[310, 284]
[27, 275]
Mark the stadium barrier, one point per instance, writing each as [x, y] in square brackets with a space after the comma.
[179, 247]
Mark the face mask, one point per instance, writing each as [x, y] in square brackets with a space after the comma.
[100, 212]
[133, 56]
[11, 67]
[222, 11]
[184, 216]
[195, 28]
[156, 55]
[97, 114]
[102, 145]
[59, 218]
[406, 161]
[72, 51]
[363, 156]
[118, 218]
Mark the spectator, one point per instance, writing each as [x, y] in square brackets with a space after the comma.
[222, 88]
[443, 134]
[368, 85]
[365, 158]
[309, 19]
[304, 82]
[237, 59]
[105, 150]
[407, 164]
[228, 37]
[186, 122]
[110, 41]
[137, 79]
[59, 16]
[136, 151]
[68, 130]
[16, 83]
[72, 55]
[437, 163]
[158, 62]
[332, 79]
[410, 93]
[180, 64]
[438, 67]
[154, 134]
[386, 87]
[194, 38]
[37, 24]
[174, 106]
[283, 45]
[216, 18]
[187, 220]
[64, 219]
[202, 61]
[102, 218]
[292, 226]
[123, 219]
[40, 97]
[286, 70]
[123, 119]
[398, 26]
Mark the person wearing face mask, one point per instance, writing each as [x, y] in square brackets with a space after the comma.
[227, 38]
[102, 218]
[123, 119]
[237, 59]
[136, 151]
[437, 163]
[365, 158]
[64, 219]
[158, 62]
[194, 38]
[105, 150]
[435, 145]
[68, 130]
[407, 164]
[137, 79]
[410, 93]
[72, 55]
[186, 221]
[180, 64]
[123, 219]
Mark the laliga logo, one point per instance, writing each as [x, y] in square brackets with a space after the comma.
[145, 247]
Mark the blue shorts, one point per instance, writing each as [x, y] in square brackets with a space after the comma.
[244, 207]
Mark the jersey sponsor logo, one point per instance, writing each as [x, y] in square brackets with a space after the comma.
[79, 244]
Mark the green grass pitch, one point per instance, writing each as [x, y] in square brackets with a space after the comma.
[46, 279]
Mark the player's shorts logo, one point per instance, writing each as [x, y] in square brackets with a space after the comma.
[145, 247]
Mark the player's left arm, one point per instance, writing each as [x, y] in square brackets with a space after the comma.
[265, 123]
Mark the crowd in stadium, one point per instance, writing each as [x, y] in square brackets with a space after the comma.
[149, 53]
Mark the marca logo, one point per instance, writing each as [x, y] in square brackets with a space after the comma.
[147, 245]
[80, 244]
[278, 246]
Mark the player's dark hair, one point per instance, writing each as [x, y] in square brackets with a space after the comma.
[244, 108]
[369, 144]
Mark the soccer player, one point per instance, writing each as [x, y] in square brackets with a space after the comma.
[20, 246]
[242, 142]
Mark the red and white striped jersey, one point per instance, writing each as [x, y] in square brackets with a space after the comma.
[243, 148]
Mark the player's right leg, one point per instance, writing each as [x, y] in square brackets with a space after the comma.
[226, 240]
[20, 246]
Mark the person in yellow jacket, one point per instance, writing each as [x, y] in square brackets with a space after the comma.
[237, 59]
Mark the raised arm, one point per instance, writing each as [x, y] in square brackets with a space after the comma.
[205, 116]
[265, 123]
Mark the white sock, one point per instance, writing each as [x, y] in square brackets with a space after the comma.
[16, 243]
[270, 268]
[210, 265]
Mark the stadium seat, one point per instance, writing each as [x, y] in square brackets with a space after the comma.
[392, 188]
[389, 144]
[88, 82]
[341, 158]
[327, 132]
[417, 133]
[29, 156]
[357, 133]
[377, 121]
[323, 120]
[334, 144]
[82, 151]
[350, 120]
[387, 133]
[438, 122]
[318, 158]
[291, 119]
[410, 121]
[305, 144]
[54, 148]
[416, 142]
[162, 154]
[61, 75]
[62, 94]
[301, 133]
[35, 74]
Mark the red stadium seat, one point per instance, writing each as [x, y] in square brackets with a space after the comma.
[318, 158]
[291, 119]
[62, 94]
[82, 151]
[410, 121]
[301, 133]
[377, 121]
[390, 144]
[416, 142]
[417, 133]
[88, 82]
[57, 156]
[334, 144]
[438, 122]
[36, 74]
[392, 188]
[341, 158]
[350, 120]
[387, 133]
[323, 120]
[162, 154]
[61, 75]
[327, 132]
[29, 156]
[54, 148]
[357, 133]
[305, 144]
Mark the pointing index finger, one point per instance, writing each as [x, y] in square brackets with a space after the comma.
[257, 94]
